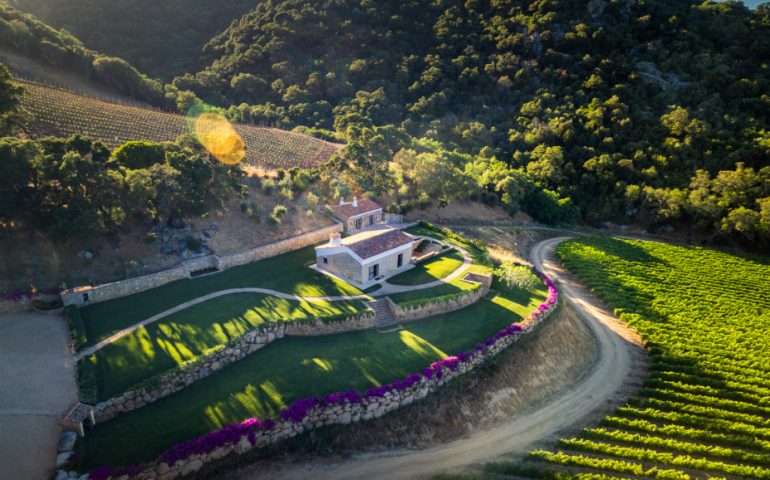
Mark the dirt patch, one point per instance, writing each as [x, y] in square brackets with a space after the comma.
[30, 259]
[466, 212]
[518, 380]
[238, 232]
[508, 244]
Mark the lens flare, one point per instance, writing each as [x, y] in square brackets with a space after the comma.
[218, 136]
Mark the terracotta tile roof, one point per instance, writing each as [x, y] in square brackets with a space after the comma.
[347, 210]
[377, 244]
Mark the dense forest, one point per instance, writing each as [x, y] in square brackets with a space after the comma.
[652, 112]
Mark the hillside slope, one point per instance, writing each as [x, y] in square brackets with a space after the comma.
[59, 112]
[160, 38]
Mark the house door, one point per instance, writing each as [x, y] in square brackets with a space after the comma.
[374, 271]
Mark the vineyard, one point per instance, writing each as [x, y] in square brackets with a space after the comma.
[63, 113]
[705, 410]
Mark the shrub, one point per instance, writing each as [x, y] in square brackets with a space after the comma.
[311, 199]
[286, 193]
[251, 209]
[278, 212]
[268, 186]
[516, 276]
[76, 326]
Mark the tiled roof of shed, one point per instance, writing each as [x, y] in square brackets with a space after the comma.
[347, 210]
[376, 244]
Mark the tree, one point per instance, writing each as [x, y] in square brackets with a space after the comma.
[138, 154]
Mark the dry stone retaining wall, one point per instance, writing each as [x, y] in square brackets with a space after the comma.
[409, 313]
[109, 291]
[178, 379]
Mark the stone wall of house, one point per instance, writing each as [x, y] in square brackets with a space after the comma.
[344, 265]
[392, 218]
[109, 291]
[365, 221]
[180, 378]
[254, 434]
[389, 264]
[409, 313]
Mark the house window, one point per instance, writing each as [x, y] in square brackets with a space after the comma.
[400, 261]
[371, 219]
[359, 223]
[85, 298]
[326, 260]
[374, 271]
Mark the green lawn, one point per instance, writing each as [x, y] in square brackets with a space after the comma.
[185, 335]
[286, 273]
[296, 367]
[431, 270]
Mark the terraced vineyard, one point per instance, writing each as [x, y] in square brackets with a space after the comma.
[63, 113]
[705, 411]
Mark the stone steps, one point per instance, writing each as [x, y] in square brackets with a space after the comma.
[383, 316]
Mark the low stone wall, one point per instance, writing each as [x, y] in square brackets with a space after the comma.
[180, 378]
[409, 313]
[351, 323]
[109, 291]
[335, 409]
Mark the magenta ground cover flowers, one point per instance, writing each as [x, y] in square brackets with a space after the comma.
[298, 411]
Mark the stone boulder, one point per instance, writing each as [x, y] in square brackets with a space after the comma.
[67, 441]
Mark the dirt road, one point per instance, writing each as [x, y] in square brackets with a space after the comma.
[37, 378]
[564, 411]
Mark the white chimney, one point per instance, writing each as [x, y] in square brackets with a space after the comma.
[335, 239]
[342, 201]
[355, 202]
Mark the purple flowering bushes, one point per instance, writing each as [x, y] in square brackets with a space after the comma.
[334, 408]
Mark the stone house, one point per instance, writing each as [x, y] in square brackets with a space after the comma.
[358, 214]
[365, 258]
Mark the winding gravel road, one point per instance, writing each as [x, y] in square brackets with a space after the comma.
[564, 411]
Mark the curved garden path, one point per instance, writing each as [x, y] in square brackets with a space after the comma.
[387, 289]
[606, 379]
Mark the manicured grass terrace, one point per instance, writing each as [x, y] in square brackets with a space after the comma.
[480, 265]
[430, 270]
[181, 337]
[296, 367]
[286, 273]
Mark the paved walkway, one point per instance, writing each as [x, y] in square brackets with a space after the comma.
[37, 384]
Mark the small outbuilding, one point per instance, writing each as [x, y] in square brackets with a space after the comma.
[365, 258]
[358, 214]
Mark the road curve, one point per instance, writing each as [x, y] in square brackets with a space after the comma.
[612, 368]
